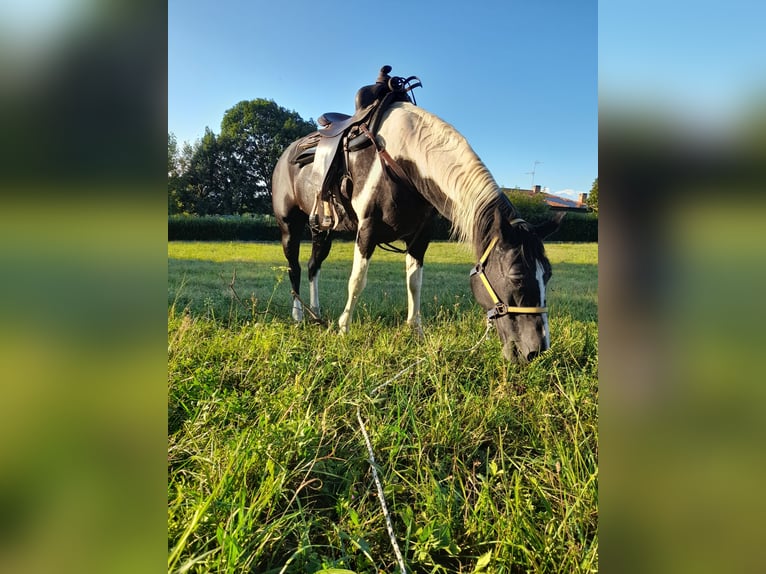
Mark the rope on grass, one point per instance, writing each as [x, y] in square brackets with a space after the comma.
[377, 389]
[378, 485]
[389, 525]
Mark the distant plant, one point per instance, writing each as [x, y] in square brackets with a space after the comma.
[532, 207]
[592, 200]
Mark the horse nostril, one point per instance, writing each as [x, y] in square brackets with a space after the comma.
[532, 355]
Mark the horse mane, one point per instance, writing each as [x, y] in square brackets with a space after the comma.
[497, 220]
[472, 199]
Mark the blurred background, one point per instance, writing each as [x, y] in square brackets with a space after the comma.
[682, 153]
[83, 257]
[682, 245]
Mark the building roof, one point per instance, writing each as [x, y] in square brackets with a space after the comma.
[555, 202]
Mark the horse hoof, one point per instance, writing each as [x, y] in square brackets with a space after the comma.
[417, 331]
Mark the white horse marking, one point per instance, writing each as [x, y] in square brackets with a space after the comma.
[297, 310]
[356, 284]
[314, 293]
[367, 192]
[414, 282]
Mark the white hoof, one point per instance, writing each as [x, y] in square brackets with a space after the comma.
[343, 323]
[297, 311]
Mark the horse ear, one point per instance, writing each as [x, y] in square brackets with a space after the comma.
[543, 230]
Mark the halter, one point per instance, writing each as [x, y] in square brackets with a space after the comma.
[500, 308]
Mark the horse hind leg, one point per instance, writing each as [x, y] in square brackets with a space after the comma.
[320, 249]
[292, 228]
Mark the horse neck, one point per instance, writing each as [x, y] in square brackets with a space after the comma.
[449, 174]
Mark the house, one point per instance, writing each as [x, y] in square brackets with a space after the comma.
[555, 202]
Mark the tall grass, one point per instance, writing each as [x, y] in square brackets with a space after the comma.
[483, 463]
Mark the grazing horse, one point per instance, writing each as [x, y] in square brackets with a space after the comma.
[443, 174]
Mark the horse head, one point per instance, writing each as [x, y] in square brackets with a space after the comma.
[510, 280]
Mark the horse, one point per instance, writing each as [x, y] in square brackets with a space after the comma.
[437, 171]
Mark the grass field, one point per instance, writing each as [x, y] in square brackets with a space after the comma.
[486, 466]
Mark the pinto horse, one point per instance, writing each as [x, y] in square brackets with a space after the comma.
[443, 174]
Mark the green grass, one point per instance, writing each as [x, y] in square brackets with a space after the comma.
[481, 461]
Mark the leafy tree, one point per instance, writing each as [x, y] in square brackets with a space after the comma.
[174, 189]
[592, 200]
[172, 152]
[253, 135]
[180, 191]
[206, 184]
[231, 173]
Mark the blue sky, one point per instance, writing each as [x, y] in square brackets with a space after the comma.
[697, 61]
[517, 79]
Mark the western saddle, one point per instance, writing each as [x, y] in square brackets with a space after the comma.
[338, 131]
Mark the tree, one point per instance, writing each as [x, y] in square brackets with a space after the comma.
[172, 152]
[205, 181]
[174, 191]
[592, 200]
[231, 173]
[180, 192]
[253, 135]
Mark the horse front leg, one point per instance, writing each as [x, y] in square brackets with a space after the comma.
[356, 283]
[416, 252]
[414, 269]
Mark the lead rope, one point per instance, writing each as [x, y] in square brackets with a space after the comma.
[379, 486]
[371, 458]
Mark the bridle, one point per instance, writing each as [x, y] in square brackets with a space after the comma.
[500, 308]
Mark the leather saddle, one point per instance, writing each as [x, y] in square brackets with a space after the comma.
[349, 133]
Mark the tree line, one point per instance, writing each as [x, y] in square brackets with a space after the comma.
[230, 173]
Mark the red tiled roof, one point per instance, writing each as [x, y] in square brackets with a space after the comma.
[554, 201]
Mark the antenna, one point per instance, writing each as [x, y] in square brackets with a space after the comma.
[532, 173]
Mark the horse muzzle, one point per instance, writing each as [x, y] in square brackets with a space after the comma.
[512, 353]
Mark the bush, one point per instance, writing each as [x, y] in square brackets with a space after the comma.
[223, 228]
[577, 227]
[531, 207]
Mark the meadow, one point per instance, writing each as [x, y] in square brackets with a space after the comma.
[486, 466]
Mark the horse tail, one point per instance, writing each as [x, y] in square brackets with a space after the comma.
[282, 192]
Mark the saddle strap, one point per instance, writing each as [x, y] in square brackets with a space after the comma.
[385, 158]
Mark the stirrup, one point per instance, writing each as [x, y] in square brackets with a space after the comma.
[329, 215]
